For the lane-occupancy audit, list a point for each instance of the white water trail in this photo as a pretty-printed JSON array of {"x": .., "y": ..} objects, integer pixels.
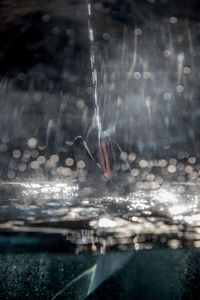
[{"x": 97, "y": 118}]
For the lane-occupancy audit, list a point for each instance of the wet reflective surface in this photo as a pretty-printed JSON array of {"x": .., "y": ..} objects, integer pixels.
[{"x": 99, "y": 135}]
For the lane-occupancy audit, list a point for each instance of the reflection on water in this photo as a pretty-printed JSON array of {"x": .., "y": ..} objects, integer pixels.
[{"x": 141, "y": 219}]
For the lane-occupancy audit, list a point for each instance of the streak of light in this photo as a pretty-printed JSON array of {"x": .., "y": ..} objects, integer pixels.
[
  {"x": 60, "y": 115},
  {"x": 135, "y": 44},
  {"x": 90, "y": 272},
  {"x": 191, "y": 47},
  {"x": 148, "y": 106},
  {"x": 180, "y": 59},
  {"x": 170, "y": 39},
  {"x": 124, "y": 44}
]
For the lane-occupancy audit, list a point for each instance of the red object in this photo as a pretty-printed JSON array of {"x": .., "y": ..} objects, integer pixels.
[{"x": 104, "y": 161}]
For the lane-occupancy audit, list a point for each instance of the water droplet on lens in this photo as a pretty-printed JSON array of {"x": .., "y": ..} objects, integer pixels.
[
  {"x": 193, "y": 175},
  {"x": 150, "y": 177},
  {"x": 179, "y": 88},
  {"x": 90, "y": 90},
  {"x": 11, "y": 174},
  {"x": 69, "y": 161},
  {"x": 67, "y": 172},
  {"x": 173, "y": 161},
  {"x": 180, "y": 167},
  {"x": 180, "y": 155},
  {"x": 163, "y": 163},
  {"x": 124, "y": 167},
  {"x": 174, "y": 244},
  {"x": 123, "y": 156},
  {"x": 45, "y": 18},
  {"x": 131, "y": 157},
  {"x": 171, "y": 169},
  {"x": 192, "y": 160},
  {"x": 22, "y": 167},
  {"x": 3, "y": 147},
  {"x": 143, "y": 163},
  {"x": 80, "y": 164},
  {"x": 16, "y": 153},
  {"x": 34, "y": 165},
  {"x": 197, "y": 244},
  {"x": 186, "y": 70},
  {"x": 138, "y": 31},
  {"x": 32, "y": 143},
  {"x": 41, "y": 159},
  {"x": 167, "y": 96},
  {"x": 80, "y": 104},
  {"x": 173, "y": 20},
  {"x": 188, "y": 169},
  {"x": 106, "y": 36},
  {"x": 55, "y": 30},
  {"x": 59, "y": 170},
  {"x": 70, "y": 32},
  {"x": 34, "y": 153},
  {"x": 167, "y": 53},
  {"x": 137, "y": 75},
  {"x": 54, "y": 158},
  {"x": 134, "y": 172}
]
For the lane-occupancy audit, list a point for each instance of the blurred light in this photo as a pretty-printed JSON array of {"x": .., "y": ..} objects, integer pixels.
[
  {"x": 137, "y": 75},
  {"x": 104, "y": 222},
  {"x": 173, "y": 20},
  {"x": 166, "y": 196},
  {"x": 178, "y": 209}
]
